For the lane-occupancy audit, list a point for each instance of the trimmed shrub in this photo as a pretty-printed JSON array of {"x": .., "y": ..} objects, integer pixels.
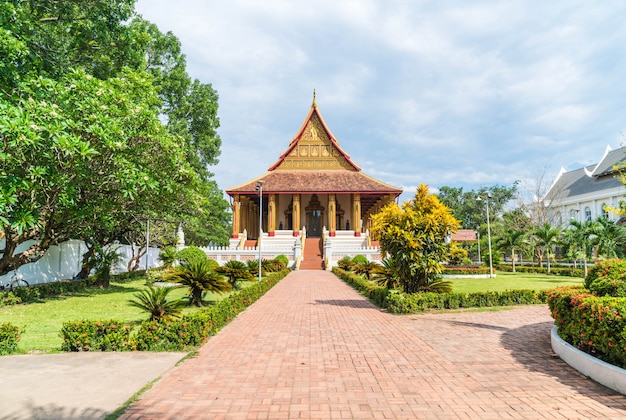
[
  {"x": 345, "y": 263},
  {"x": 190, "y": 253},
  {"x": 554, "y": 270},
  {"x": 191, "y": 331},
  {"x": 465, "y": 270},
  {"x": 590, "y": 323},
  {"x": 8, "y": 298},
  {"x": 401, "y": 303},
  {"x": 283, "y": 259},
  {"x": 360, "y": 259},
  {"x": 86, "y": 335},
  {"x": 9, "y": 338},
  {"x": 607, "y": 278},
  {"x": 194, "y": 329}
]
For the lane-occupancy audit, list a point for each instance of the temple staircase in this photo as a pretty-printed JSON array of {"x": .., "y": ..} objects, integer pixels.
[{"x": 312, "y": 256}]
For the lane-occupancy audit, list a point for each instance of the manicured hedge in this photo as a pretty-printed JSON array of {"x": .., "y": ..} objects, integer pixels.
[
  {"x": 190, "y": 331},
  {"x": 468, "y": 270},
  {"x": 555, "y": 271},
  {"x": 402, "y": 303},
  {"x": 377, "y": 294},
  {"x": 9, "y": 337},
  {"x": 590, "y": 323}
]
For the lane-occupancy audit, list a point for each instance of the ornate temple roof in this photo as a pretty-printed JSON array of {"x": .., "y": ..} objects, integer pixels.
[{"x": 315, "y": 163}]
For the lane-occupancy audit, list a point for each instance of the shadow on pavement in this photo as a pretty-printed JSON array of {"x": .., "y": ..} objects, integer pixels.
[
  {"x": 530, "y": 346},
  {"x": 51, "y": 411}
]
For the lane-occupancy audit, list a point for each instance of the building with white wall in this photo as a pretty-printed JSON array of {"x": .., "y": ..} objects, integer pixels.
[{"x": 585, "y": 193}]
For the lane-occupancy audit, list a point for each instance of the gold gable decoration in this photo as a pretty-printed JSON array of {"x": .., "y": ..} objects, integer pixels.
[{"x": 315, "y": 150}]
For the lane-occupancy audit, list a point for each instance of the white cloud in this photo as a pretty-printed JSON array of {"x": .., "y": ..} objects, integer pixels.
[{"x": 446, "y": 93}]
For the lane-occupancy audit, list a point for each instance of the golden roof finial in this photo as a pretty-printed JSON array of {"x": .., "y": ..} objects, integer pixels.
[{"x": 314, "y": 102}]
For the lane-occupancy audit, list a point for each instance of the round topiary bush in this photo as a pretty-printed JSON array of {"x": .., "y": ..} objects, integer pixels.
[
  {"x": 283, "y": 258},
  {"x": 185, "y": 255},
  {"x": 607, "y": 278},
  {"x": 360, "y": 259}
]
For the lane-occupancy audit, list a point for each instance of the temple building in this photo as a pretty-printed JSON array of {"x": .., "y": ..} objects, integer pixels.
[{"x": 313, "y": 187}]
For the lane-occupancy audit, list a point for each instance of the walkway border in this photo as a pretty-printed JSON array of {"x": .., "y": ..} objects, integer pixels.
[{"x": 604, "y": 373}]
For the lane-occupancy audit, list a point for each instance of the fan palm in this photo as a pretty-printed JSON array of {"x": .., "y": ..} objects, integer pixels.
[
  {"x": 387, "y": 275},
  {"x": 200, "y": 277},
  {"x": 547, "y": 236},
  {"x": 235, "y": 271},
  {"x": 511, "y": 240},
  {"x": 610, "y": 237},
  {"x": 153, "y": 300}
]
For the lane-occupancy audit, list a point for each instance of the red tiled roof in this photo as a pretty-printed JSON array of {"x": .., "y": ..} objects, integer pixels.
[
  {"x": 464, "y": 235},
  {"x": 315, "y": 181}
]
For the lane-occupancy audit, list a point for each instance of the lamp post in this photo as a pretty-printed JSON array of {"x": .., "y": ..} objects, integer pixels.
[
  {"x": 487, "y": 197},
  {"x": 259, "y": 188},
  {"x": 478, "y": 234}
]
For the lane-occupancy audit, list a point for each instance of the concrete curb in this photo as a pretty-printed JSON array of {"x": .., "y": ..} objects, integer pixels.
[{"x": 608, "y": 375}]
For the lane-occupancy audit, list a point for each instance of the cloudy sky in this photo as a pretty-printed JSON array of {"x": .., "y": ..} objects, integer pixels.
[{"x": 457, "y": 93}]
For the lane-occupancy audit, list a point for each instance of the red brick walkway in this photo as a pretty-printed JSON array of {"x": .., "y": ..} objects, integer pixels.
[{"x": 314, "y": 348}]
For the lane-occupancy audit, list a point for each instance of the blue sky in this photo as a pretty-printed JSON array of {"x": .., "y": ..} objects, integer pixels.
[{"x": 457, "y": 93}]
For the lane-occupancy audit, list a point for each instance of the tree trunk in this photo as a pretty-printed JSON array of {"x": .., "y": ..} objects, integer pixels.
[
  {"x": 88, "y": 262},
  {"x": 513, "y": 258}
]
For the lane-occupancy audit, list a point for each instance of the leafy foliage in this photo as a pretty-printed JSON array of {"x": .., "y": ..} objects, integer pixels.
[
  {"x": 190, "y": 253},
  {"x": 153, "y": 300},
  {"x": 235, "y": 271},
  {"x": 167, "y": 256},
  {"x": 416, "y": 237},
  {"x": 200, "y": 277},
  {"x": 468, "y": 210},
  {"x": 590, "y": 323},
  {"x": 86, "y": 335},
  {"x": 85, "y": 153},
  {"x": 607, "y": 278},
  {"x": 9, "y": 338}
]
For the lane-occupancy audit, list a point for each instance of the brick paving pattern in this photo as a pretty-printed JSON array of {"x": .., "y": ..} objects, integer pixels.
[{"x": 313, "y": 348}]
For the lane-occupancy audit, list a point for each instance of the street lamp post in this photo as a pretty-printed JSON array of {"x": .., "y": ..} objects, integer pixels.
[
  {"x": 259, "y": 188},
  {"x": 487, "y": 197},
  {"x": 478, "y": 234}
]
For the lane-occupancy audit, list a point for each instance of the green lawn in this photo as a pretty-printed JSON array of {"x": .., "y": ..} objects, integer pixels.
[
  {"x": 513, "y": 281},
  {"x": 43, "y": 321}
]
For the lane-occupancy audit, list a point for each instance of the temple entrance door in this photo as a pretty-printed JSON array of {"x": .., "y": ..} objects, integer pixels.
[
  {"x": 314, "y": 217},
  {"x": 314, "y": 224}
]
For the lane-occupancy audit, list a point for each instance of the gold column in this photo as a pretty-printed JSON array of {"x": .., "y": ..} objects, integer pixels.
[
  {"x": 236, "y": 216},
  {"x": 356, "y": 214},
  {"x": 295, "y": 216},
  {"x": 271, "y": 215},
  {"x": 332, "y": 214}
]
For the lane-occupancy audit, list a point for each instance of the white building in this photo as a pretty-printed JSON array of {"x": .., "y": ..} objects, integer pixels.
[{"x": 584, "y": 194}]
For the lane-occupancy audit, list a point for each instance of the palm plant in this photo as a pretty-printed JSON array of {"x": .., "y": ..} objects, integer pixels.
[
  {"x": 367, "y": 268},
  {"x": 547, "y": 236},
  {"x": 105, "y": 259},
  {"x": 582, "y": 240},
  {"x": 200, "y": 277},
  {"x": 167, "y": 256},
  {"x": 153, "y": 300},
  {"x": 387, "y": 275},
  {"x": 235, "y": 271},
  {"x": 610, "y": 237},
  {"x": 510, "y": 241}
]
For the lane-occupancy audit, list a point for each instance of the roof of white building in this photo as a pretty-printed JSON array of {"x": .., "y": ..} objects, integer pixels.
[{"x": 590, "y": 179}]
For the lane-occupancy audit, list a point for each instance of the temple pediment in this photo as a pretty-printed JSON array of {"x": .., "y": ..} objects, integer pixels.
[{"x": 314, "y": 148}]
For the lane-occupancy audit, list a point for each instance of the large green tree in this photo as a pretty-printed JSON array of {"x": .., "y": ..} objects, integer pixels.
[
  {"x": 471, "y": 212},
  {"x": 416, "y": 238},
  {"x": 84, "y": 88}
]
